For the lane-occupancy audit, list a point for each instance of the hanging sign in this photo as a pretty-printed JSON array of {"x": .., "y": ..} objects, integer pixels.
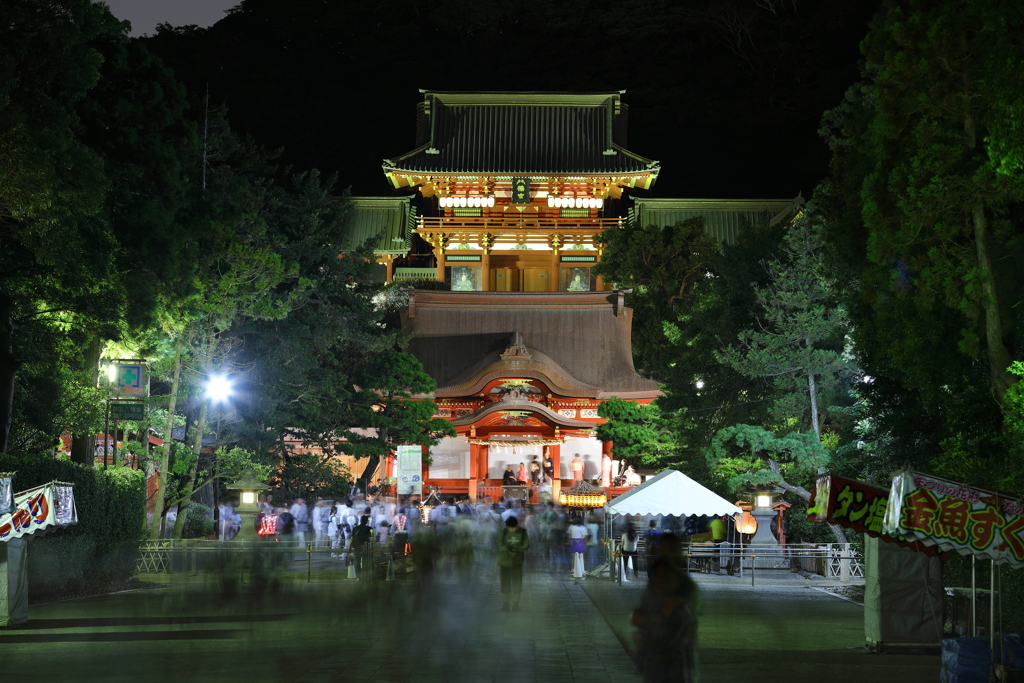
[
  {"x": 410, "y": 470},
  {"x": 858, "y": 506},
  {"x": 520, "y": 190},
  {"x": 124, "y": 410},
  {"x": 954, "y": 516},
  {"x": 130, "y": 379},
  {"x": 50, "y": 505}
]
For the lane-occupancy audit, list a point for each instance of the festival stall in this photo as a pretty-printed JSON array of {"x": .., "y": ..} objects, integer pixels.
[
  {"x": 670, "y": 493},
  {"x": 903, "y": 593},
  {"x": 34, "y": 512}
]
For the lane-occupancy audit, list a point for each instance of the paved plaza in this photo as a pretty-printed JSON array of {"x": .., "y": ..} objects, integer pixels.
[{"x": 447, "y": 630}]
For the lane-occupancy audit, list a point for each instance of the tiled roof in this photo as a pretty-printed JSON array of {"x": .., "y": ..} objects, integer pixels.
[
  {"x": 723, "y": 218},
  {"x": 585, "y": 335},
  {"x": 522, "y": 133},
  {"x": 387, "y": 221}
]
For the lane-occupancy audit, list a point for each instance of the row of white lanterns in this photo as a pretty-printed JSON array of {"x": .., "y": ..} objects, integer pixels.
[
  {"x": 575, "y": 202},
  {"x": 474, "y": 201}
]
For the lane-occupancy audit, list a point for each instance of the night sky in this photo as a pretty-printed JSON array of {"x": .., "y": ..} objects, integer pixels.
[
  {"x": 726, "y": 94},
  {"x": 146, "y": 14}
]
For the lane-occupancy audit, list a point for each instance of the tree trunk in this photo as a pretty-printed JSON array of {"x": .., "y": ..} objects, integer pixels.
[
  {"x": 83, "y": 446},
  {"x": 8, "y": 369},
  {"x": 806, "y": 495},
  {"x": 165, "y": 452},
  {"x": 812, "y": 389},
  {"x": 998, "y": 356},
  {"x": 193, "y": 471}
]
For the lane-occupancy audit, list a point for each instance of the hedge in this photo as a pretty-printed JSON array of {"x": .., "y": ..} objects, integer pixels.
[{"x": 104, "y": 546}]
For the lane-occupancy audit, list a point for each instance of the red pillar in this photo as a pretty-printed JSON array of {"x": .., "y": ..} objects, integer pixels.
[
  {"x": 556, "y": 485},
  {"x": 425, "y": 453},
  {"x": 474, "y": 470}
]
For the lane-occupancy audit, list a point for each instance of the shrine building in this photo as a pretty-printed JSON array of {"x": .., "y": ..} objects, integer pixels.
[{"x": 503, "y": 197}]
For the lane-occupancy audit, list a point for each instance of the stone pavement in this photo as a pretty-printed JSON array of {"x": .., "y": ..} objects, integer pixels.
[
  {"x": 786, "y": 629},
  {"x": 447, "y": 630}
]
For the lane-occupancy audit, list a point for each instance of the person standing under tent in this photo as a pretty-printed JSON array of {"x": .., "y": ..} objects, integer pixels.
[
  {"x": 513, "y": 542},
  {"x": 578, "y": 534},
  {"x": 593, "y": 540},
  {"x": 630, "y": 539},
  {"x": 652, "y": 539},
  {"x": 577, "y": 465}
]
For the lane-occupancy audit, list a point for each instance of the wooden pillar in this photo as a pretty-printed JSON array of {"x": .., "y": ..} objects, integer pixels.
[
  {"x": 485, "y": 273},
  {"x": 599, "y": 284},
  {"x": 425, "y": 471},
  {"x": 389, "y": 264},
  {"x": 484, "y": 454},
  {"x": 474, "y": 470},
  {"x": 440, "y": 264},
  {"x": 556, "y": 458},
  {"x": 553, "y": 278}
]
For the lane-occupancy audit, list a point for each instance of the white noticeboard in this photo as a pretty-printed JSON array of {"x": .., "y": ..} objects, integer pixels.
[{"x": 410, "y": 470}]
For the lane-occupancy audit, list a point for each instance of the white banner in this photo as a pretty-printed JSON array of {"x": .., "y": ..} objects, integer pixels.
[
  {"x": 50, "y": 505},
  {"x": 410, "y": 470}
]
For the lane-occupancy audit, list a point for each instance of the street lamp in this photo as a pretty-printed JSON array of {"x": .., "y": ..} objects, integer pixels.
[
  {"x": 218, "y": 388},
  {"x": 248, "y": 485}
]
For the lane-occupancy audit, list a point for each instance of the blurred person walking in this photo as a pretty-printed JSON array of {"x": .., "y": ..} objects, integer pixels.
[
  {"x": 286, "y": 531},
  {"x": 513, "y": 542},
  {"x": 301, "y": 515},
  {"x": 593, "y": 538},
  {"x": 362, "y": 536},
  {"x": 630, "y": 539},
  {"x": 652, "y": 539},
  {"x": 666, "y": 623}
]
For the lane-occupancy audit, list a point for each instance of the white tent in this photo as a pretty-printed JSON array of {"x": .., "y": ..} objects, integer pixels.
[{"x": 671, "y": 493}]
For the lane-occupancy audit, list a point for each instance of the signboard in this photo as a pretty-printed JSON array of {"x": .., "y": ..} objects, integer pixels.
[
  {"x": 130, "y": 379},
  {"x": 410, "y": 470},
  {"x": 50, "y": 505},
  {"x": 954, "y": 516},
  {"x": 520, "y": 190},
  {"x": 123, "y": 410},
  {"x": 858, "y": 506}
]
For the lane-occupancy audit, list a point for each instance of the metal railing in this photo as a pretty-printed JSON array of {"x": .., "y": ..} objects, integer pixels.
[
  {"x": 838, "y": 560},
  {"x": 196, "y": 556}
]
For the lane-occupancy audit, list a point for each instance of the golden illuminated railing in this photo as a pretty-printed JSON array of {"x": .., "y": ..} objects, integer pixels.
[{"x": 451, "y": 230}]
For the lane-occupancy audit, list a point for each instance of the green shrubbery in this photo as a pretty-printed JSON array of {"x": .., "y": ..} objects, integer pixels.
[{"x": 104, "y": 545}]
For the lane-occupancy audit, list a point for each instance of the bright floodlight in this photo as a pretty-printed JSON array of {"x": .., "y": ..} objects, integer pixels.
[
  {"x": 219, "y": 388},
  {"x": 700, "y": 384}
]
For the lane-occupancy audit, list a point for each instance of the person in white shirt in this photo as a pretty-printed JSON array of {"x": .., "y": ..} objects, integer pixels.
[
  {"x": 334, "y": 530},
  {"x": 630, "y": 538},
  {"x": 578, "y": 534},
  {"x": 301, "y": 515}
]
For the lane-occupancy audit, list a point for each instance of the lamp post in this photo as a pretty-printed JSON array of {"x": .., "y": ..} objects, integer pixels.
[
  {"x": 763, "y": 544},
  {"x": 249, "y": 486},
  {"x": 218, "y": 389}
]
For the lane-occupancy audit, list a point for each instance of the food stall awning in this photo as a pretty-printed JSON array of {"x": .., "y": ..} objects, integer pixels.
[
  {"x": 858, "y": 506},
  {"x": 954, "y": 516}
]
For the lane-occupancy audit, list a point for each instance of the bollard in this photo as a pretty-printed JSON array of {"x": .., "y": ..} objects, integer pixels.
[
  {"x": 844, "y": 564},
  {"x": 309, "y": 562}
]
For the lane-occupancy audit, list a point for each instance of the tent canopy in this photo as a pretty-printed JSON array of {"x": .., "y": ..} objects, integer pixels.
[{"x": 671, "y": 493}]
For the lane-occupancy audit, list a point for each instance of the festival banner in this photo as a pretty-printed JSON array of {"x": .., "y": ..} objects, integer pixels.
[
  {"x": 954, "y": 516},
  {"x": 858, "y": 506},
  {"x": 39, "y": 509},
  {"x": 410, "y": 470}
]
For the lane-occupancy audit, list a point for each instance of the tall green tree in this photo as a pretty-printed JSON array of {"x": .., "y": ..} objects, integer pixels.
[
  {"x": 926, "y": 169},
  {"x": 799, "y": 337}
]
